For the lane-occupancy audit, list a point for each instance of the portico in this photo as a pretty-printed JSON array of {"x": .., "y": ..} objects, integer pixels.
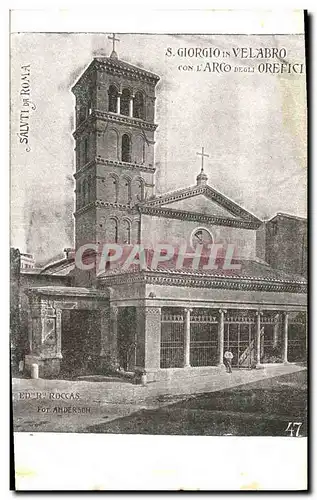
[{"x": 188, "y": 327}]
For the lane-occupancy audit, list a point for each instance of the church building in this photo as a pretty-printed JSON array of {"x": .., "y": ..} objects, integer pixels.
[{"x": 165, "y": 322}]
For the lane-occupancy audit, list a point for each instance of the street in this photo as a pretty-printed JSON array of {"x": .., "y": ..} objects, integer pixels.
[
  {"x": 265, "y": 407},
  {"x": 262, "y": 408}
]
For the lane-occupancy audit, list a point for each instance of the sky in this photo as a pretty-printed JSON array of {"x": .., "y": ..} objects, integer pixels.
[{"x": 252, "y": 125}]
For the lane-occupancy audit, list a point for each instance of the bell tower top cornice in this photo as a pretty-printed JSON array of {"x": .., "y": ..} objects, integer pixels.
[{"x": 117, "y": 67}]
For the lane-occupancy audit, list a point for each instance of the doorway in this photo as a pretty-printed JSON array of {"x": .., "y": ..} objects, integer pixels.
[{"x": 80, "y": 342}]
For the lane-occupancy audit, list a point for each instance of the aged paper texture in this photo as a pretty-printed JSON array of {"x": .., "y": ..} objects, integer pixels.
[{"x": 159, "y": 252}]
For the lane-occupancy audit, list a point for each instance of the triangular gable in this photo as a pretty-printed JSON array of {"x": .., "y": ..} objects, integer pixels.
[
  {"x": 198, "y": 198},
  {"x": 201, "y": 204}
]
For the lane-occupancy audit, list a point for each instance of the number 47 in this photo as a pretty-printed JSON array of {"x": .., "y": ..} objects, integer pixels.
[{"x": 293, "y": 427}]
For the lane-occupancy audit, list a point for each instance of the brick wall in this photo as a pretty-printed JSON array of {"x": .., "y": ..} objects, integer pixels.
[{"x": 286, "y": 244}]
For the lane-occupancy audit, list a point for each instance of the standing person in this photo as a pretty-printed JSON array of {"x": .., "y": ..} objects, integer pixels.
[{"x": 228, "y": 360}]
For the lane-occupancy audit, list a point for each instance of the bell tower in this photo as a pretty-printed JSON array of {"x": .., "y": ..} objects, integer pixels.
[{"x": 114, "y": 136}]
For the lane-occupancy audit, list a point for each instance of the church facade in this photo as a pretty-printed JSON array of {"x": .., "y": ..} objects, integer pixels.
[{"x": 166, "y": 321}]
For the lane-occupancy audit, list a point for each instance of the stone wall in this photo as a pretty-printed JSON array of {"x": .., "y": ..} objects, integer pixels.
[
  {"x": 28, "y": 280},
  {"x": 174, "y": 231},
  {"x": 45, "y": 325},
  {"x": 85, "y": 227}
]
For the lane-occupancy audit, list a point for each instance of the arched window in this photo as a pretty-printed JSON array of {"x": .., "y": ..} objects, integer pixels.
[
  {"x": 126, "y": 232},
  {"x": 113, "y": 94},
  {"x": 139, "y": 189},
  {"x": 113, "y": 188},
  {"x": 125, "y": 190},
  {"x": 126, "y": 148},
  {"x": 138, "y": 153},
  {"x": 125, "y": 102},
  {"x": 112, "y": 231},
  {"x": 138, "y": 106}
]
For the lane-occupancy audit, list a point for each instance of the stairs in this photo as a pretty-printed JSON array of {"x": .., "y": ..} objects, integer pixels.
[{"x": 247, "y": 358}]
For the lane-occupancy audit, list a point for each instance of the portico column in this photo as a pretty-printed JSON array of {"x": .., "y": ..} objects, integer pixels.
[
  {"x": 131, "y": 106},
  {"x": 285, "y": 334},
  {"x": 152, "y": 337},
  {"x": 258, "y": 337},
  {"x": 118, "y": 102},
  {"x": 275, "y": 331},
  {"x": 221, "y": 335},
  {"x": 114, "y": 332},
  {"x": 148, "y": 338},
  {"x": 187, "y": 312}
]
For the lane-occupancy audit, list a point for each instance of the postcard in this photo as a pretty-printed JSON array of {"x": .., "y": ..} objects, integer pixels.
[{"x": 159, "y": 253}]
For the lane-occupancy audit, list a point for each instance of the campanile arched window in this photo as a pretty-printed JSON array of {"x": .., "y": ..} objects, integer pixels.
[
  {"x": 112, "y": 231},
  {"x": 125, "y": 190},
  {"x": 113, "y": 95},
  {"x": 126, "y": 148},
  {"x": 125, "y": 102},
  {"x": 126, "y": 232},
  {"x": 139, "y": 189},
  {"x": 138, "y": 106},
  {"x": 113, "y": 188}
]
